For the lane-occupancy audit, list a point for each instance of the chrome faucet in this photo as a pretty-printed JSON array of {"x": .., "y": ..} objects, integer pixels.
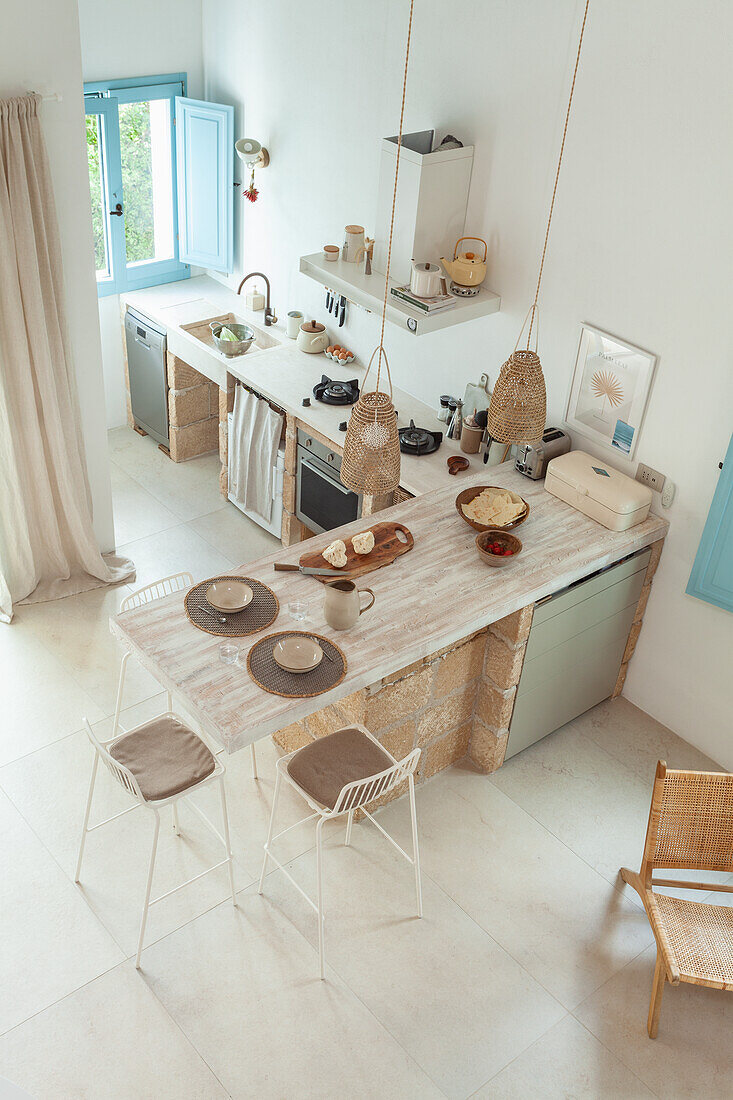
[{"x": 270, "y": 318}]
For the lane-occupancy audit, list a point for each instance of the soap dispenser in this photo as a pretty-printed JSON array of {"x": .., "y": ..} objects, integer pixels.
[{"x": 254, "y": 299}]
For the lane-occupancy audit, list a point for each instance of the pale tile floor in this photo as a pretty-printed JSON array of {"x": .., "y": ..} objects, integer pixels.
[{"x": 528, "y": 976}]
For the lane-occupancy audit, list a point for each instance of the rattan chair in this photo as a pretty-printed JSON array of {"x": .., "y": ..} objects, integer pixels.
[
  {"x": 337, "y": 775},
  {"x": 690, "y": 827}
]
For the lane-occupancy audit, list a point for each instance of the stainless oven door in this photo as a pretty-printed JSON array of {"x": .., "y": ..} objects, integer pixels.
[{"x": 322, "y": 501}]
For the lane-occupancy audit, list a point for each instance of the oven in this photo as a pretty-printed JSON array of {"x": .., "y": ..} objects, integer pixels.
[{"x": 322, "y": 501}]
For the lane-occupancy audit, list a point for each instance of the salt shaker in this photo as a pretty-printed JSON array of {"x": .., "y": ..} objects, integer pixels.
[{"x": 454, "y": 432}]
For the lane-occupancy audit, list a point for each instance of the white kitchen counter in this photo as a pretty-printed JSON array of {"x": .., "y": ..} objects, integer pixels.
[{"x": 285, "y": 375}]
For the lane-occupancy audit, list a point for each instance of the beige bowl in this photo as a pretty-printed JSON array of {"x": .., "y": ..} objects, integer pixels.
[
  {"x": 297, "y": 653},
  {"x": 229, "y": 595}
]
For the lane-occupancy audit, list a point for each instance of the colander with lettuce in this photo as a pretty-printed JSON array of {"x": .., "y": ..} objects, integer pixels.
[{"x": 227, "y": 334}]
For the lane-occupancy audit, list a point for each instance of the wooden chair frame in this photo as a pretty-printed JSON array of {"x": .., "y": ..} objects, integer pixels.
[{"x": 691, "y": 828}]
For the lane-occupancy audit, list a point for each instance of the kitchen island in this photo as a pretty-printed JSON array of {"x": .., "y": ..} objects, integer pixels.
[{"x": 437, "y": 660}]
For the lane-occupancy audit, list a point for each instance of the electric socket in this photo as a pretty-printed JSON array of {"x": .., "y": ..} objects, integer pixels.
[{"x": 648, "y": 476}]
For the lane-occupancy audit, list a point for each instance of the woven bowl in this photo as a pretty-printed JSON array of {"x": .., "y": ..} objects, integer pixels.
[
  {"x": 468, "y": 495},
  {"x": 505, "y": 539}
]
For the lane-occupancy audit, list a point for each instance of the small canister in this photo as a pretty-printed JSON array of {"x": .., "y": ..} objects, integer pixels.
[
  {"x": 295, "y": 320},
  {"x": 471, "y": 438}
]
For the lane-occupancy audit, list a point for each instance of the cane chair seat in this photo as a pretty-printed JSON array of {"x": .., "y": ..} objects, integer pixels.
[
  {"x": 165, "y": 756},
  {"x": 700, "y": 939},
  {"x": 324, "y": 767}
]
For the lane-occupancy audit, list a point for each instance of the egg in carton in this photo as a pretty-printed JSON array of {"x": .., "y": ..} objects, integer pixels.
[{"x": 339, "y": 355}]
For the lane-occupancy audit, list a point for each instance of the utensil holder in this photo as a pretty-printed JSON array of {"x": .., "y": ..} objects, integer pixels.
[{"x": 471, "y": 438}]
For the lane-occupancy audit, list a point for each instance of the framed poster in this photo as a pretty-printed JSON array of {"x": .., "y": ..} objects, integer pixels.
[{"x": 610, "y": 390}]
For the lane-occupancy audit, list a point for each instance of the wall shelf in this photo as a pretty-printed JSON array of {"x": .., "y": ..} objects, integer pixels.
[{"x": 368, "y": 291}]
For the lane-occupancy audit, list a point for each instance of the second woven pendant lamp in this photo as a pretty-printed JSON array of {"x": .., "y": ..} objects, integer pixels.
[
  {"x": 371, "y": 462},
  {"x": 519, "y": 403}
]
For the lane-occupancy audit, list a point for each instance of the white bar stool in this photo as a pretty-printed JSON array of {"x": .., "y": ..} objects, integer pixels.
[{"x": 337, "y": 775}]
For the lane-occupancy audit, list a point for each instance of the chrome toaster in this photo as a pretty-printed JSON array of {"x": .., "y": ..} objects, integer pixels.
[{"x": 532, "y": 458}]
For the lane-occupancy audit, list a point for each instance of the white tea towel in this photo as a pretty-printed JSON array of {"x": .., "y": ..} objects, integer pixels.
[{"x": 254, "y": 437}]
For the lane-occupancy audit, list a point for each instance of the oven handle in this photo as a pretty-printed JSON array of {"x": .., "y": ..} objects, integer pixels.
[{"x": 325, "y": 476}]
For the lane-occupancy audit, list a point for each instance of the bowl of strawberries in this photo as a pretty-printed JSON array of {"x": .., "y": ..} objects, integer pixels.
[{"x": 497, "y": 546}]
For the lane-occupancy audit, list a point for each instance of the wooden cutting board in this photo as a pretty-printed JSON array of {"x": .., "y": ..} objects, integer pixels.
[{"x": 387, "y": 547}]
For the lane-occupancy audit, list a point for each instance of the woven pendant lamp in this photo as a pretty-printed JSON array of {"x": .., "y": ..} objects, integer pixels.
[
  {"x": 371, "y": 462},
  {"x": 519, "y": 402}
]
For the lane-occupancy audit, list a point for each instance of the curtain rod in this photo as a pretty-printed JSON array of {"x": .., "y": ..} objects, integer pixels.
[{"x": 54, "y": 97}]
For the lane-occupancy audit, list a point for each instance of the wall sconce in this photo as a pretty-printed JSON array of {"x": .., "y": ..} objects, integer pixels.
[{"x": 254, "y": 156}]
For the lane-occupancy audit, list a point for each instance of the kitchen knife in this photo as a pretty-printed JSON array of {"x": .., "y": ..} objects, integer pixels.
[
  {"x": 283, "y": 567},
  {"x": 342, "y": 316}
]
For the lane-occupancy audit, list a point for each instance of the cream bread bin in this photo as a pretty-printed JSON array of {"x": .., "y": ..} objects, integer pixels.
[{"x": 597, "y": 490}]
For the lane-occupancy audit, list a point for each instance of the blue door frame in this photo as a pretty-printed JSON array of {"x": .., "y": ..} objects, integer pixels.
[{"x": 711, "y": 578}]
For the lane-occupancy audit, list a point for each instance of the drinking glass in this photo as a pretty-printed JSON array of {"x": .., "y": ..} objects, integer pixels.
[
  {"x": 298, "y": 610},
  {"x": 228, "y": 653}
]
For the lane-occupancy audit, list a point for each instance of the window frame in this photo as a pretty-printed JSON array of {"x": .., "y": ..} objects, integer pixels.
[{"x": 124, "y": 276}]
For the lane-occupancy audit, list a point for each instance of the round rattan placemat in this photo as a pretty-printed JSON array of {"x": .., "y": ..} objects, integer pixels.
[
  {"x": 265, "y": 671},
  {"x": 260, "y": 614}
]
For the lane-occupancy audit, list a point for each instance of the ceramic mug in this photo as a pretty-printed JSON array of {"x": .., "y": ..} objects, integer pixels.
[
  {"x": 295, "y": 320},
  {"x": 342, "y": 604}
]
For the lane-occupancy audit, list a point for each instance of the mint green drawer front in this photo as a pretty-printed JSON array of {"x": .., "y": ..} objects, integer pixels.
[
  {"x": 563, "y": 661},
  {"x": 586, "y": 589},
  {"x": 580, "y": 616},
  {"x": 555, "y": 702}
]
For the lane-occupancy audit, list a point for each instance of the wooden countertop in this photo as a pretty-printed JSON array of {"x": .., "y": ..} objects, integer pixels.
[{"x": 431, "y": 597}]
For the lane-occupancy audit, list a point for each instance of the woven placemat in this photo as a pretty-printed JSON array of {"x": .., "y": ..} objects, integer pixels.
[
  {"x": 261, "y": 613},
  {"x": 266, "y": 672}
]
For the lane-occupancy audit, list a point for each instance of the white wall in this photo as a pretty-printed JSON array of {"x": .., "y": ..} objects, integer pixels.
[
  {"x": 39, "y": 50},
  {"x": 641, "y": 242},
  {"x": 124, "y": 39}
]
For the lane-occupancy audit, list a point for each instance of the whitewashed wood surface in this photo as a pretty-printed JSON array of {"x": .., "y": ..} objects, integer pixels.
[{"x": 436, "y": 594}]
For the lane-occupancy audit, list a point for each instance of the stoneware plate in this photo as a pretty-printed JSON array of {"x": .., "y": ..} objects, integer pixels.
[
  {"x": 467, "y": 496},
  {"x": 229, "y": 595},
  {"x": 297, "y": 654}
]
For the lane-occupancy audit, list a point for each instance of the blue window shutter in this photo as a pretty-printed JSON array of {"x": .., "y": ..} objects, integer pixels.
[
  {"x": 205, "y": 170},
  {"x": 711, "y": 578}
]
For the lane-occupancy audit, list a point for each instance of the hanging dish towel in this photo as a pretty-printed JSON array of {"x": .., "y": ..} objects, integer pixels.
[{"x": 254, "y": 438}]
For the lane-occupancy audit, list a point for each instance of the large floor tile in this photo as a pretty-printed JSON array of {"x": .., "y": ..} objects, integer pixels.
[
  {"x": 188, "y": 489},
  {"x": 444, "y": 988},
  {"x": 42, "y": 699},
  {"x": 111, "y": 1040},
  {"x": 50, "y": 788},
  {"x": 588, "y": 799},
  {"x": 173, "y": 551},
  {"x": 638, "y": 740},
  {"x": 692, "y": 1055},
  {"x": 76, "y": 631},
  {"x": 235, "y": 535},
  {"x": 50, "y": 944},
  {"x": 556, "y": 916},
  {"x": 566, "y": 1062},
  {"x": 243, "y": 986},
  {"x": 136, "y": 512}
]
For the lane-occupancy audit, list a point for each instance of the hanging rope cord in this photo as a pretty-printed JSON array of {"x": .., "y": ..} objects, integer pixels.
[
  {"x": 391, "y": 220},
  {"x": 534, "y": 307}
]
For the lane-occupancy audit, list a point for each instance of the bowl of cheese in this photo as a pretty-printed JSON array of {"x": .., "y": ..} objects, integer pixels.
[{"x": 485, "y": 506}]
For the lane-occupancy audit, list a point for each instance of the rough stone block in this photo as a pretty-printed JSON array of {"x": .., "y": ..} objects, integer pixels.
[
  {"x": 643, "y": 601},
  {"x": 402, "y": 673},
  {"x": 631, "y": 643},
  {"x": 397, "y": 701},
  {"x": 181, "y": 376},
  {"x": 292, "y": 737},
  {"x": 459, "y": 666},
  {"x": 514, "y": 628},
  {"x": 487, "y": 747},
  {"x": 621, "y": 679},
  {"x": 291, "y": 447},
  {"x": 194, "y": 439},
  {"x": 651, "y": 568},
  {"x": 291, "y": 529},
  {"x": 188, "y": 406},
  {"x": 223, "y": 405},
  {"x": 493, "y": 706},
  {"x": 441, "y": 754},
  {"x": 353, "y": 707},
  {"x": 452, "y": 711},
  {"x": 324, "y": 722},
  {"x": 224, "y": 481},
  {"x": 400, "y": 740},
  {"x": 503, "y": 663},
  {"x": 223, "y": 444},
  {"x": 289, "y": 492}
]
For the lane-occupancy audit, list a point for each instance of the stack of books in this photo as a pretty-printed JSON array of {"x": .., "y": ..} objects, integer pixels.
[{"x": 425, "y": 305}]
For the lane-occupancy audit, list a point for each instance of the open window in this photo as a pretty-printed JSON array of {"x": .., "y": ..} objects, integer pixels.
[{"x": 161, "y": 182}]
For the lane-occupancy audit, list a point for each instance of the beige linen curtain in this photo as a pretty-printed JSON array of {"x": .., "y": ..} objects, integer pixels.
[{"x": 47, "y": 543}]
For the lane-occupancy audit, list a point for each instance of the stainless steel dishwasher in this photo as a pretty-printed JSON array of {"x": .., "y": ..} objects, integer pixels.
[{"x": 146, "y": 366}]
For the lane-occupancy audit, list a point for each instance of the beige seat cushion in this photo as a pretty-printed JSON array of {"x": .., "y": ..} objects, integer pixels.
[
  {"x": 165, "y": 757},
  {"x": 327, "y": 765}
]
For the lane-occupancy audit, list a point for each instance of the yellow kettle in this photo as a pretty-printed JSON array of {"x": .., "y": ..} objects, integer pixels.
[{"x": 466, "y": 270}]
